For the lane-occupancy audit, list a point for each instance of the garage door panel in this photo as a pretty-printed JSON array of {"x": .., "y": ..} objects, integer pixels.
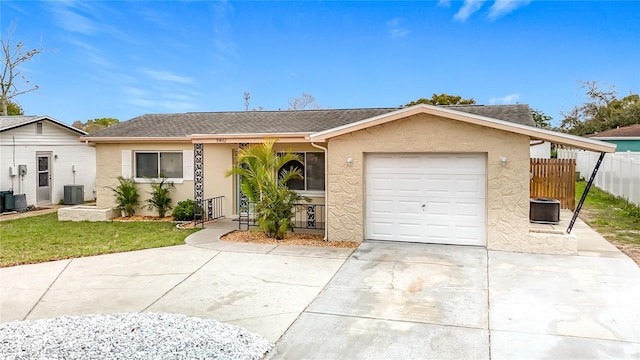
[
  {"x": 380, "y": 184},
  {"x": 381, "y": 207},
  {"x": 383, "y": 230},
  {"x": 452, "y": 188},
  {"x": 470, "y": 188},
  {"x": 409, "y": 207},
  {"x": 410, "y": 230},
  {"x": 408, "y": 185},
  {"x": 393, "y": 209}
]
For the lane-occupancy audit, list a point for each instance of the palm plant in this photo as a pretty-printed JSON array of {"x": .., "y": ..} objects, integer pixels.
[
  {"x": 160, "y": 197},
  {"x": 265, "y": 185},
  {"x": 127, "y": 197}
]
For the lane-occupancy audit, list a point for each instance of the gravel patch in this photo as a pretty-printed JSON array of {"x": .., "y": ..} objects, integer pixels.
[{"x": 129, "y": 336}]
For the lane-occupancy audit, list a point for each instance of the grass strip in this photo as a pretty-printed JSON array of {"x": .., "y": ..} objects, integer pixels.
[
  {"x": 44, "y": 238},
  {"x": 613, "y": 217}
]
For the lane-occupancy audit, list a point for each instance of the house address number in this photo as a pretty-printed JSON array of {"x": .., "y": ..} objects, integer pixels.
[{"x": 221, "y": 140}]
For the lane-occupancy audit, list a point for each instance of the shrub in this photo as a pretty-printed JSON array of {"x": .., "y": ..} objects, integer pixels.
[
  {"x": 160, "y": 197},
  {"x": 185, "y": 210},
  {"x": 275, "y": 210},
  {"x": 127, "y": 197},
  {"x": 263, "y": 184}
]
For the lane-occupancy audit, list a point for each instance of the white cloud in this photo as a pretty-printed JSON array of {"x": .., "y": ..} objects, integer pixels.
[
  {"x": 503, "y": 7},
  {"x": 498, "y": 9},
  {"x": 167, "y": 76},
  {"x": 69, "y": 18},
  {"x": 508, "y": 99},
  {"x": 222, "y": 39},
  {"x": 469, "y": 7},
  {"x": 395, "y": 28}
]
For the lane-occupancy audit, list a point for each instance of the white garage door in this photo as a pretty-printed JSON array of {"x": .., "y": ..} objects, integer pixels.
[{"x": 428, "y": 198}]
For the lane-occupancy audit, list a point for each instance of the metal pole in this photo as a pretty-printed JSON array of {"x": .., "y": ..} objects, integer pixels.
[{"x": 584, "y": 194}]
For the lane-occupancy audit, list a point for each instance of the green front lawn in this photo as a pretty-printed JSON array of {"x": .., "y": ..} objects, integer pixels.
[
  {"x": 44, "y": 238},
  {"x": 611, "y": 216}
]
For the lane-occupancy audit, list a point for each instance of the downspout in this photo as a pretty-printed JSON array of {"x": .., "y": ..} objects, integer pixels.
[
  {"x": 584, "y": 194},
  {"x": 326, "y": 184}
]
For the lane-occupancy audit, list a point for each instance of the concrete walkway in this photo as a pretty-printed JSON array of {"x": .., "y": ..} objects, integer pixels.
[{"x": 385, "y": 300}]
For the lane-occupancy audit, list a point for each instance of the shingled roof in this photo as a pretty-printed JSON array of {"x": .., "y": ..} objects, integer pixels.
[
  {"x": 16, "y": 121},
  {"x": 276, "y": 122},
  {"x": 627, "y": 131}
]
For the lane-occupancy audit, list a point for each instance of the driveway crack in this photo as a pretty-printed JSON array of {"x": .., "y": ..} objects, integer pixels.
[
  {"x": 274, "y": 282},
  {"x": 48, "y": 288}
]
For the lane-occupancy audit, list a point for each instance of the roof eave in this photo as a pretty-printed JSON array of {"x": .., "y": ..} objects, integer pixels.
[
  {"x": 248, "y": 138},
  {"x": 104, "y": 140},
  {"x": 532, "y": 132},
  {"x": 45, "y": 117}
]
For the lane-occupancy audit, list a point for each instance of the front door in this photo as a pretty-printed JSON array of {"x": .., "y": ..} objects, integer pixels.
[{"x": 43, "y": 178}]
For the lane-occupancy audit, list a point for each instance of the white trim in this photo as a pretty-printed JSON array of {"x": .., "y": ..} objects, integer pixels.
[
  {"x": 312, "y": 193},
  {"x": 157, "y": 180},
  {"x": 533, "y": 132}
]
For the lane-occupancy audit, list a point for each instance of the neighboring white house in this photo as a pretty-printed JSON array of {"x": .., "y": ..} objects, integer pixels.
[
  {"x": 39, "y": 155},
  {"x": 539, "y": 149}
]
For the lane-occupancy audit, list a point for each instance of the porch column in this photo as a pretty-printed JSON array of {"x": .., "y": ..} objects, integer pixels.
[{"x": 198, "y": 173}]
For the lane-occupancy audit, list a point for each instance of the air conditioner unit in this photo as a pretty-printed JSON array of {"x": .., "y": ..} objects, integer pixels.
[
  {"x": 544, "y": 211},
  {"x": 73, "y": 194}
]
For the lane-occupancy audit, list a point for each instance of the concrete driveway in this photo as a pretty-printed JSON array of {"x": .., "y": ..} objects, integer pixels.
[
  {"x": 384, "y": 300},
  {"x": 410, "y": 301}
]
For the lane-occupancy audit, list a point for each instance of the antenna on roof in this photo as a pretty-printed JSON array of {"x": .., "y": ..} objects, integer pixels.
[{"x": 246, "y": 101}]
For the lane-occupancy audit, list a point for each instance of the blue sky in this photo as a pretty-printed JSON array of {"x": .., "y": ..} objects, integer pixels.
[{"x": 126, "y": 58}]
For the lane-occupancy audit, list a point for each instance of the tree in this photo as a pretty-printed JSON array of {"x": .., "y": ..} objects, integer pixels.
[
  {"x": 14, "y": 109},
  {"x": 601, "y": 111},
  {"x": 541, "y": 119},
  {"x": 443, "y": 99},
  {"x": 95, "y": 124},
  {"x": 13, "y": 56},
  {"x": 304, "y": 102},
  {"x": 264, "y": 183}
]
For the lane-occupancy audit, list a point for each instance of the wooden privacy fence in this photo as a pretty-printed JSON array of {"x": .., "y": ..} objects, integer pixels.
[{"x": 554, "y": 179}]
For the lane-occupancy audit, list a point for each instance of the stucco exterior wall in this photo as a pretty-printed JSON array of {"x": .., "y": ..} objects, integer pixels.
[
  {"x": 507, "y": 186},
  {"x": 218, "y": 158},
  {"x": 109, "y": 167}
]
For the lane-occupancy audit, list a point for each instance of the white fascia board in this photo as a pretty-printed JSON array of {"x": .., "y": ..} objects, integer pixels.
[{"x": 533, "y": 132}]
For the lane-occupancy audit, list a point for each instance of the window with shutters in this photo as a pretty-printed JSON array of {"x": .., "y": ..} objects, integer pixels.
[{"x": 158, "y": 165}]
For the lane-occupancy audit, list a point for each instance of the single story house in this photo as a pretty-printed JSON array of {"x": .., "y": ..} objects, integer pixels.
[
  {"x": 40, "y": 155},
  {"x": 627, "y": 138},
  {"x": 437, "y": 174}
]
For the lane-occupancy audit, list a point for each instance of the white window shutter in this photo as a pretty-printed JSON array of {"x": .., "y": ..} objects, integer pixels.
[
  {"x": 187, "y": 164},
  {"x": 126, "y": 164}
]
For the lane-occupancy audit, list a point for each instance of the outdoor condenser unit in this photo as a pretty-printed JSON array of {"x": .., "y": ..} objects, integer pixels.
[
  {"x": 73, "y": 194},
  {"x": 543, "y": 210}
]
